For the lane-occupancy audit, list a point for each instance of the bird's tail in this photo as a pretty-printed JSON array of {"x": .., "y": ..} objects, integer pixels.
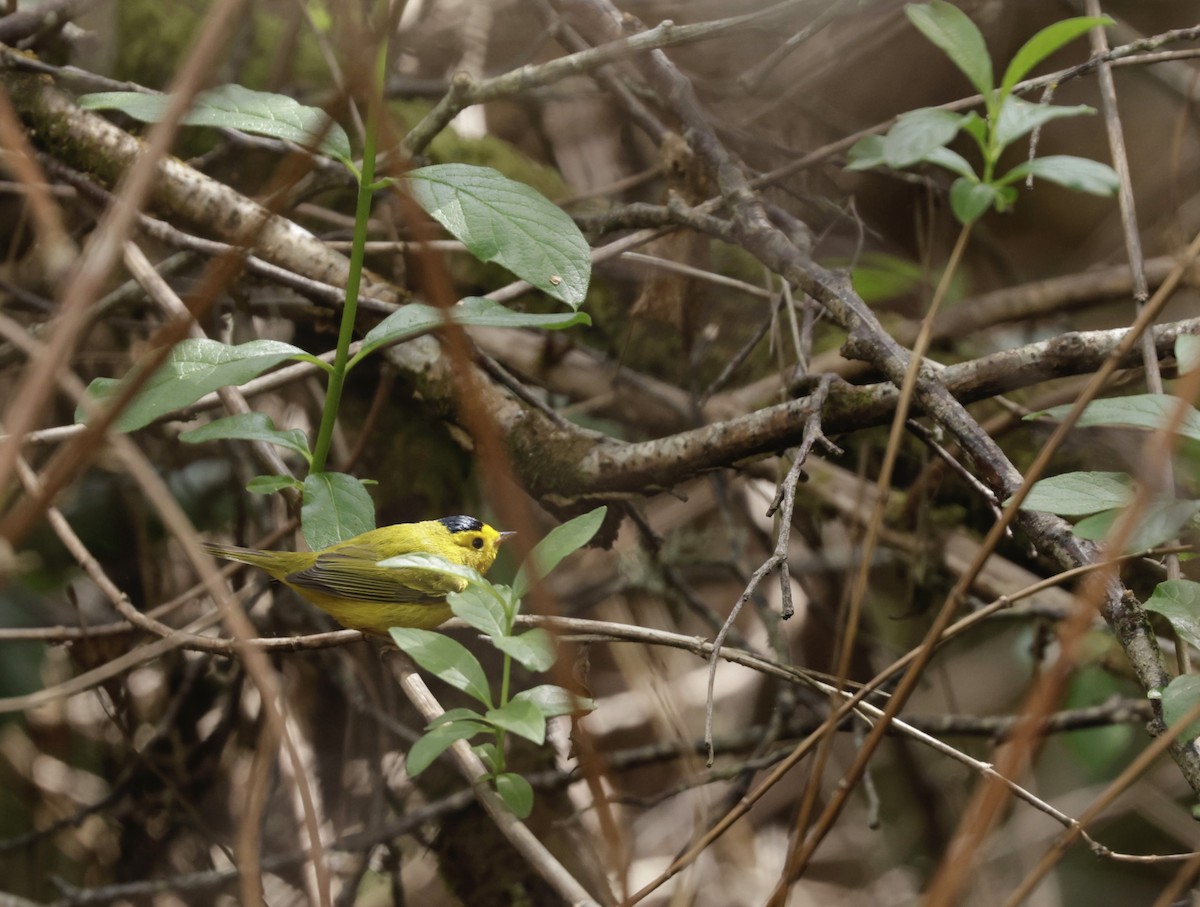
[{"x": 261, "y": 559}]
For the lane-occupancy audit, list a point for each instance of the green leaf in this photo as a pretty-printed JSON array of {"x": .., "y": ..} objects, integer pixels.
[
  {"x": 1178, "y": 600},
  {"x": 521, "y": 718},
  {"x": 554, "y": 701},
  {"x": 952, "y": 161},
  {"x": 507, "y": 222},
  {"x": 1080, "y": 493},
  {"x": 1097, "y": 750},
  {"x": 969, "y": 200},
  {"x": 192, "y": 369},
  {"x": 950, "y": 29},
  {"x": 878, "y": 276},
  {"x": 534, "y": 649},
  {"x": 1187, "y": 352},
  {"x": 272, "y": 484},
  {"x": 1043, "y": 44},
  {"x": 516, "y": 793},
  {"x": 336, "y": 507},
  {"x": 250, "y": 427},
  {"x": 419, "y": 560},
  {"x": 1179, "y": 698},
  {"x": 479, "y": 608},
  {"x": 1077, "y": 173},
  {"x": 1145, "y": 411},
  {"x": 1018, "y": 118},
  {"x": 416, "y": 319},
  {"x": 1161, "y": 522},
  {"x": 436, "y": 741},
  {"x": 918, "y": 134},
  {"x": 445, "y": 658},
  {"x": 558, "y": 543},
  {"x": 235, "y": 107},
  {"x": 487, "y": 754},
  {"x": 866, "y": 153}
]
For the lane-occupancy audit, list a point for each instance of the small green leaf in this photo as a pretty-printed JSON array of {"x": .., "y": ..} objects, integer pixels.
[
  {"x": 1187, "y": 352},
  {"x": 1076, "y": 173},
  {"x": 521, "y": 718},
  {"x": 445, "y": 658},
  {"x": 1161, "y": 522},
  {"x": 419, "y": 560},
  {"x": 1178, "y": 600},
  {"x": 459, "y": 714},
  {"x": 969, "y": 200},
  {"x": 1179, "y": 698},
  {"x": 1145, "y": 411},
  {"x": 878, "y": 276},
  {"x": 416, "y": 319},
  {"x": 479, "y": 608},
  {"x": 918, "y": 134},
  {"x": 235, "y": 107},
  {"x": 272, "y": 484},
  {"x": 435, "y": 742},
  {"x": 516, "y": 793},
  {"x": 952, "y": 161},
  {"x": 558, "y": 543},
  {"x": 1043, "y": 44},
  {"x": 866, "y": 153},
  {"x": 336, "y": 507},
  {"x": 1018, "y": 118},
  {"x": 487, "y": 754},
  {"x": 534, "y": 649},
  {"x": 193, "y": 368},
  {"x": 1080, "y": 493},
  {"x": 554, "y": 701},
  {"x": 501, "y": 220},
  {"x": 250, "y": 427},
  {"x": 950, "y": 29}
]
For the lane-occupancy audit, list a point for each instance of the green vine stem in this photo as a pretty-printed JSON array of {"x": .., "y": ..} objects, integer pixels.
[{"x": 362, "y": 213}]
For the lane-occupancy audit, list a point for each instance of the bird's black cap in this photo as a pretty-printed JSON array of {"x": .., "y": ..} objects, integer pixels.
[{"x": 461, "y": 523}]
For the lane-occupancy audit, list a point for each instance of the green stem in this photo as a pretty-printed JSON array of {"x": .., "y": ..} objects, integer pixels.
[{"x": 362, "y": 214}]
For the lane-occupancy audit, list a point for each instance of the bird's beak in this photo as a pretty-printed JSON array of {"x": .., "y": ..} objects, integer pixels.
[{"x": 506, "y": 535}]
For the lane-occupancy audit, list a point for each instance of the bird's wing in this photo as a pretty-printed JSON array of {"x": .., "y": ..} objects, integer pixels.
[{"x": 351, "y": 573}]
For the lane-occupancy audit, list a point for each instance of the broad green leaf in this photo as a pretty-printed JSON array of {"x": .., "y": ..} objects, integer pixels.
[
  {"x": 1161, "y": 522},
  {"x": 1043, "y": 44},
  {"x": 516, "y": 793},
  {"x": 272, "y": 484},
  {"x": 1018, "y": 118},
  {"x": 1098, "y": 749},
  {"x": 521, "y": 718},
  {"x": 479, "y": 608},
  {"x": 554, "y": 701},
  {"x": 1146, "y": 411},
  {"x": 866, "y": 153},
  {"x": 445, "y": 658},
  {"x": 952, "y": 161},
  {"x": 416, "y": 319},
  {"x": 1179, "y": 698},
  {"x": 1187, "y": 352},
  {"x": 558, "y": 543},
  {"x": 1077, "y": 173},
  {"x": 969, "y": 200},
  {"x": 192, "y": 369},
  {"x": 436, "y": 741},
  {"x": 918, "y": 134},
  {"x": 250, "y": 427},
  {"x": 336, "y": 507},
  {"x": 507, "y": 222},
  {"x": 534, "y": 649},
  {"x": 486, "y": 752},
  {"x": 421, "y": 561},
  {"x": 1080, "y": 493},
  {"x": 950, "y": 29},
  {"x": 1178, "y": 600},
  {"x": 235, "y": 107},
  {"x": 878, "y": 276}
]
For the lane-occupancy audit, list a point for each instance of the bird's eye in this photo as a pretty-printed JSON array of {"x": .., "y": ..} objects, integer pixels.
[{"x": 477, "y": 542}]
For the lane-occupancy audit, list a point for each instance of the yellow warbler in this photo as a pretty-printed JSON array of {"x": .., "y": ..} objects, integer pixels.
[{"x": 344, "y": 581}]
